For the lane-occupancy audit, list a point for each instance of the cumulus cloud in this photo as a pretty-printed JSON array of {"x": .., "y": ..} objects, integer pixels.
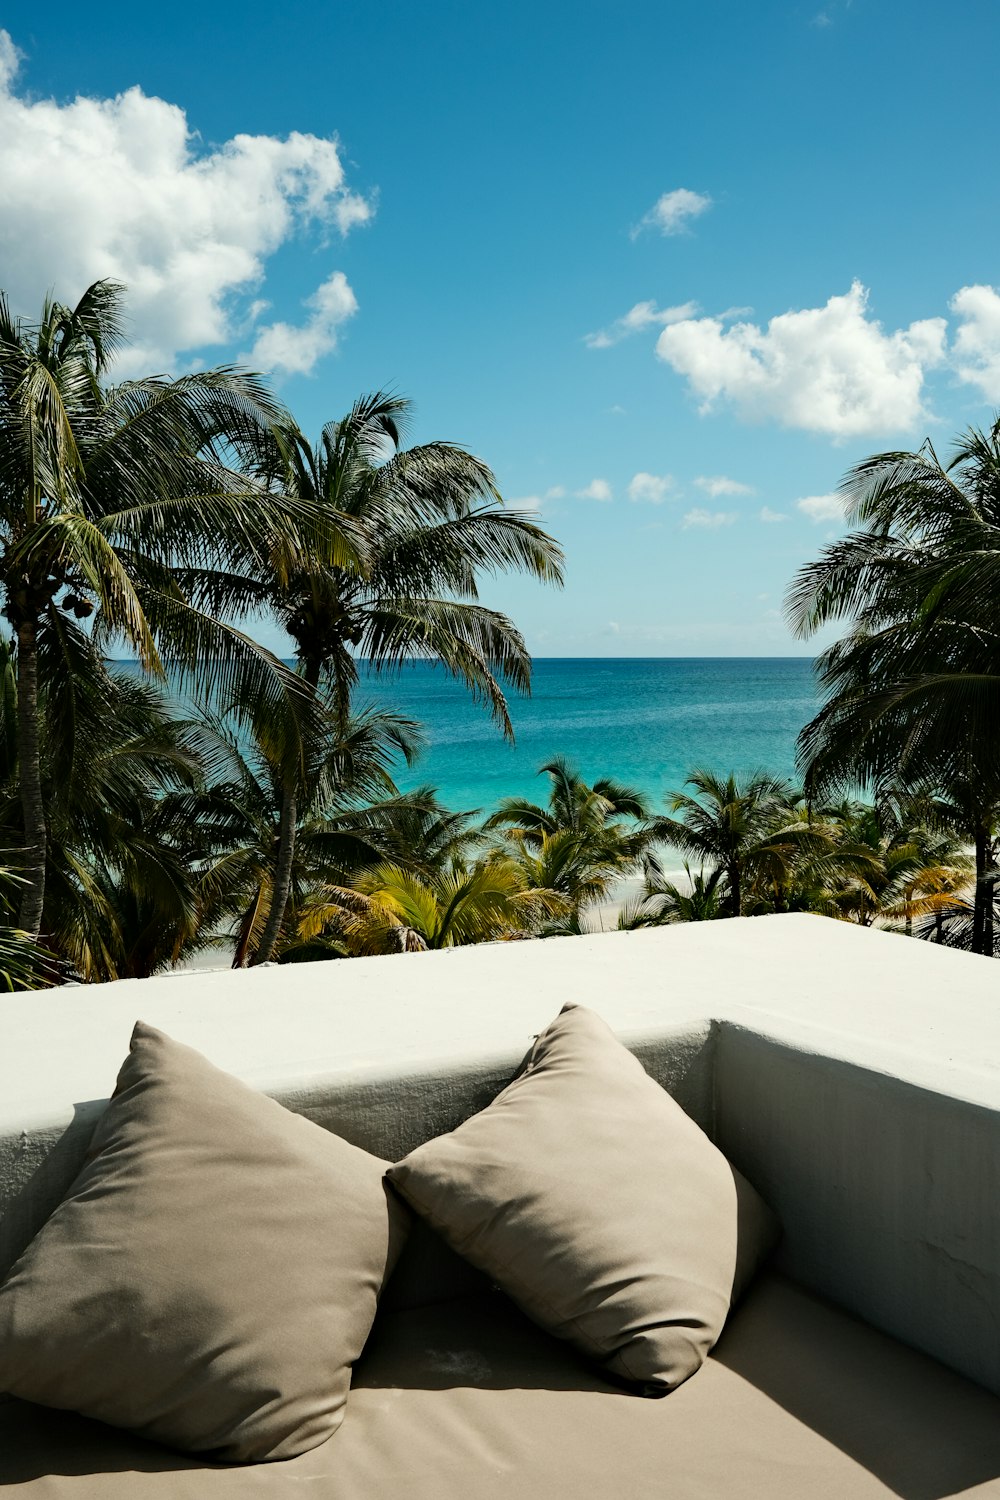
[
  {"x": 718, "y": 484},
  {"x": 121, "y": 187},
  {"x": 828, "y": 369},
  {"x": 708, "y": 519},
  {"x": 770, "y": 517},
  {"x": 597, "y": 489},
  {"x": 643, "y": 315},
  {"x": 674, "y": 212},
  {"x": 822, "y": 507},
  {"x": 651, "y": 488},
  {"x": 976, "y": 349},
  {"x": 535, "y": 502},
  {"x": 288, "y": 349}
]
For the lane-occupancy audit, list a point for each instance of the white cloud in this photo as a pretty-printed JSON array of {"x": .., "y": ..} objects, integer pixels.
[
  {"x": 708, "y": 519},
  {"x": 770, "y": 517},
  {"x": 822, "y": 507},
  {"x": 717, "y": 484},
  {"x": 10, "y": 59},
  {"x": 535, "y": 502},
  {"x": 826, "y": 369},
  {"x": 289, "y": 350},
  {"x": 597, "y": 489},
  {"x": 673, "y": 212},
  {"x": 652, "y": 488},
  {"x": 976, "y": 350},
  {"x": 643, "y": 315},
  {"x": 122, "y": 188}
]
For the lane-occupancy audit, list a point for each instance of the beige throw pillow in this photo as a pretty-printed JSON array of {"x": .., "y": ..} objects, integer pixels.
[
  {"x": 213, "y": 1272},
  {"x": 598, "y": 1205}
]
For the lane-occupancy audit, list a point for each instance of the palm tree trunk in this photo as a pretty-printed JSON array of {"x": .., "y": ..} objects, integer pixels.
[
  {"x": 30, "y": 769},
  {"x": 735, "y": 890},
  {"x": 281, "y": 884},
  {"x": 984, "y": 893},
  {"x": 988, "y": 904},
  {"x": 288, "y": 823}
]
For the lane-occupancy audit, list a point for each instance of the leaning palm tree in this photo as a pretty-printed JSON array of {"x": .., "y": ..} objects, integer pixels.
[
  {"x": 426, "y": 523},
  {"x": 107, "y": 491},
  {"x": 913, "y": 688}
]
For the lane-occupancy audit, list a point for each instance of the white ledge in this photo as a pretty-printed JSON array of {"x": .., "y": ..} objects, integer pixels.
[{"x": 904, "y": 1007}]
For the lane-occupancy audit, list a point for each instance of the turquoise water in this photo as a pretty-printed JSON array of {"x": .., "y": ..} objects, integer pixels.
[{"x": 646, "y": 722}]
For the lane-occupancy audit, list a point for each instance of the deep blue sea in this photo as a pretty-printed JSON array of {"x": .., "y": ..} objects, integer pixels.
[{"x": 646, "y": 722}]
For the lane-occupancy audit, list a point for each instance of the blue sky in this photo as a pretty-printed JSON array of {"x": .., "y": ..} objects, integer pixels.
[{"x": 670, "y": 270}]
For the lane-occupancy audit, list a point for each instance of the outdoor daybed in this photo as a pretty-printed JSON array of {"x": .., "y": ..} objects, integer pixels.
[{"x": 852, "y": 1076}]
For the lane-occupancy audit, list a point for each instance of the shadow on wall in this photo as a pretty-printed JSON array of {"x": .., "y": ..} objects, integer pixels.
[{"x": 41, "y": 1169}]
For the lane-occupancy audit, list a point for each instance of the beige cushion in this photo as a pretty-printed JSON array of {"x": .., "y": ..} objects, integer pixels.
[
  {"x": 593, "y": 1200},
  {"x": 467, "y": 1400},
  {"x": 213, "y": 1272}
]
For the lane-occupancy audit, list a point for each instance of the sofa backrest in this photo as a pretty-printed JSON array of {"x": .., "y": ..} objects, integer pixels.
[{"x": 826, "y": 1061}]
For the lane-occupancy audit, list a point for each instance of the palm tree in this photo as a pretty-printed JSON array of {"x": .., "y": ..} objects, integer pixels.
[
  {"x": 23, "y": 964},
  {"x": 392, "y": 909},
  {"x": 425, "y": 523},
  {"x": 585, "y": 839},
  {"x": 349, "y": 813},
  {"x": 564, "y": 861},
  {"x": 119, "y": 887},
  {"x": 913, "y": 688},
  {"x": 664, "y": 902},
  {"x": 106, "y": 493},
  {"x": 417, "y": 831},
  {"x": 735, "y": 826},
  {"x": 921, "y": 867}
]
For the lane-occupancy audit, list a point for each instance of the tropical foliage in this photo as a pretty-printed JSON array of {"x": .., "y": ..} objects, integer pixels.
[
  {"x": 899, "y": 865},
  {"x": 109, "y": 495},
  {"x": 393, "y": 909},
  {"x": 419, "y": 527},
  {"x": 582, "y": 843},
  {"x": 159, "y": 516},
  {"x": 913, "y": 687},
  {"x": 211, "y": 797}
]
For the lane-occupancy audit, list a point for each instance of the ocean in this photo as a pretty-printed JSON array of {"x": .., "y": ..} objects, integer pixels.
[{"x": 644, "y": 721}]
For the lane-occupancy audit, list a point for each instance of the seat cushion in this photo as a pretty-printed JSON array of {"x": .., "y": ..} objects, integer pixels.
[
  {"x": 213, "y": 1272},
  {"x": 598, "y": 1205},
  {"x": 470, "y": 1401}
]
